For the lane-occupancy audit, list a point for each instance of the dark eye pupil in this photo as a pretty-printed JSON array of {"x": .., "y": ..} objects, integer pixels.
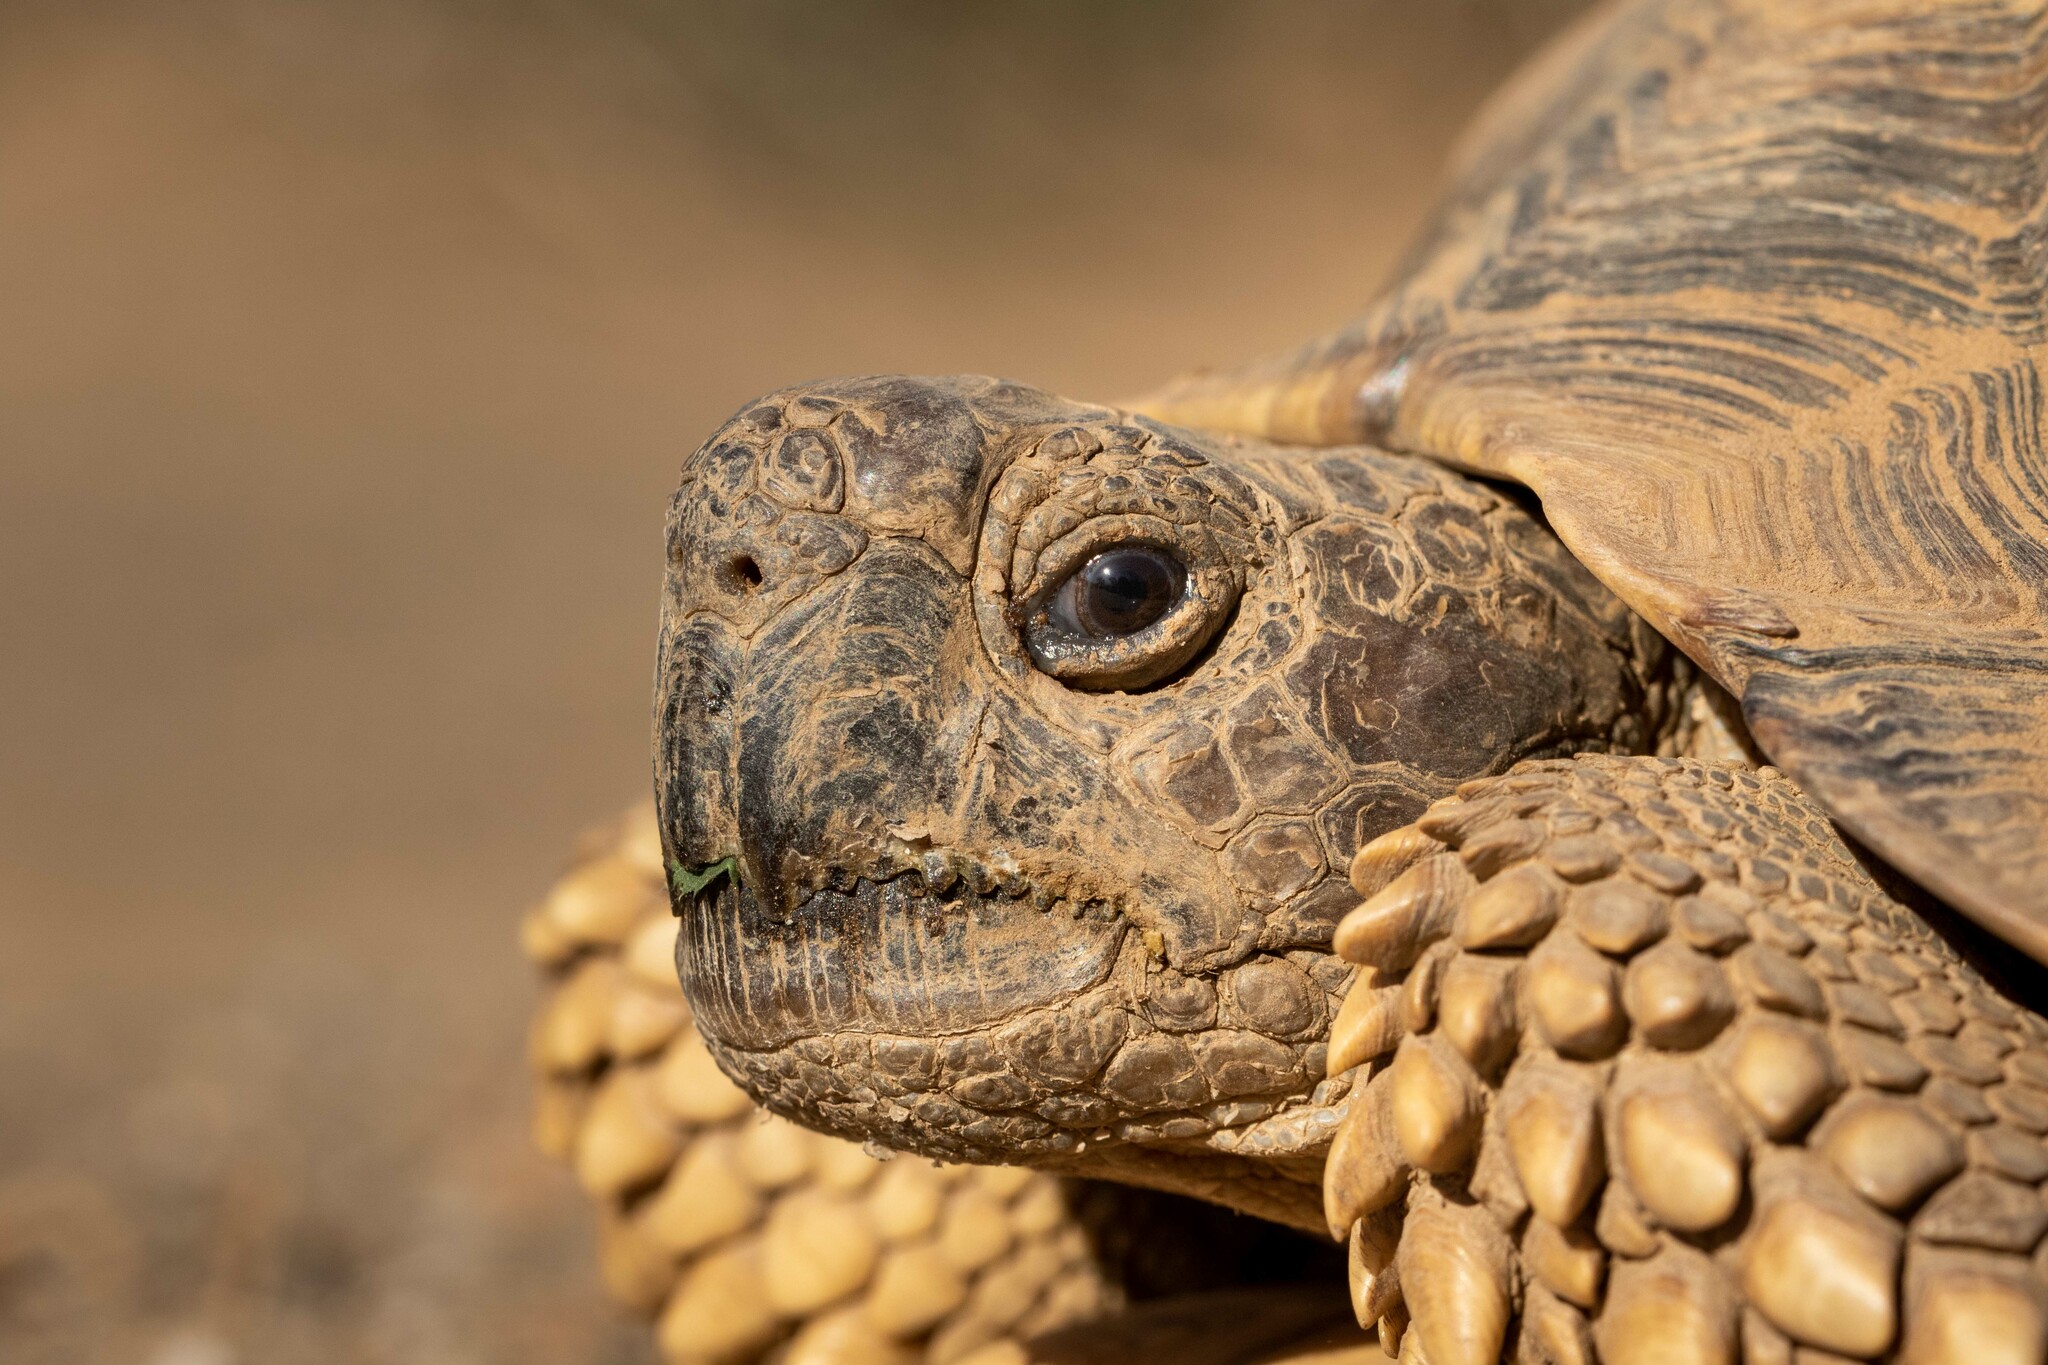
[{"x": 1120, "y": 592}]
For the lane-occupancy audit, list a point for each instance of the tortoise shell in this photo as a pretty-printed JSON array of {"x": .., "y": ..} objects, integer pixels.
[{"x": 1751, "y": 294}]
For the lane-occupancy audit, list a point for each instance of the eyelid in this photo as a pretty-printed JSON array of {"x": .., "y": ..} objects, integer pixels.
[{"x": 1066, "y": 554}]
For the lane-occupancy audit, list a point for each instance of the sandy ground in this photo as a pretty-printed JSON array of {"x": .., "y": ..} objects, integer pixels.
[{"x": 349, "y": 350}]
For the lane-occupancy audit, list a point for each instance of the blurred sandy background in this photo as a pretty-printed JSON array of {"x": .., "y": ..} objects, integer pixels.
[{"x": 347, "y": 350}]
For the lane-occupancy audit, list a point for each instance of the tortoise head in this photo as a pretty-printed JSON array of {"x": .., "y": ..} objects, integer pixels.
[{"x": 1034, "y": 739}]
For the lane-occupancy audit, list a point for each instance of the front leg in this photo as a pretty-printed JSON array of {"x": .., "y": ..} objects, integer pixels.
[{"x": 1656, "y": 1072}]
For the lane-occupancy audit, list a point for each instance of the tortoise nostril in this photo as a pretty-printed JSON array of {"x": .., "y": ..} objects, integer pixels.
[{"x": 745, "y": 572}]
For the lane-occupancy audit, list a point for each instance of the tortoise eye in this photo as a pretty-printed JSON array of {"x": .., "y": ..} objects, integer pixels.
[
  {"x": 1126, "y": 617},
  {"x": 1119, "y": 592}
]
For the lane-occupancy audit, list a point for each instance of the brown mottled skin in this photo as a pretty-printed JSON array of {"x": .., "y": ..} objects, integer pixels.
[
  {"x": 1646, "y": 1058},
  {"x": 989, "y": 915}
]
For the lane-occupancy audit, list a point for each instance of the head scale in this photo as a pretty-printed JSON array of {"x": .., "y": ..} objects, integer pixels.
[{"x": 1041, "y": 736}]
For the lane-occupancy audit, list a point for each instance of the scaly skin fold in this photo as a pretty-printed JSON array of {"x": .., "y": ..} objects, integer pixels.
[{"x": 1727, "y": 1097}]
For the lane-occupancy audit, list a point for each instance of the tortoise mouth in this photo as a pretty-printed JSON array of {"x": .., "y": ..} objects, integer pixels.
[{"x": 952, "y": 944}]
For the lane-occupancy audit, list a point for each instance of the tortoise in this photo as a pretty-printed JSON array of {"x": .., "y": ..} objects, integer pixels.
[{"x": 1546, "y": 787}]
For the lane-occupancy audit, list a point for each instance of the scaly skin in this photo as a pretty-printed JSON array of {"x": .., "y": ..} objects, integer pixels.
[
  {"x": 1659, "y": 1073},
  {"x": 990, "y": 908}
]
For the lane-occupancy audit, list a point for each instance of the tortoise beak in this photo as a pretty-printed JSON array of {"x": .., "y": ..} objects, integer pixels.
[{"x": 837, "y": 772}]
